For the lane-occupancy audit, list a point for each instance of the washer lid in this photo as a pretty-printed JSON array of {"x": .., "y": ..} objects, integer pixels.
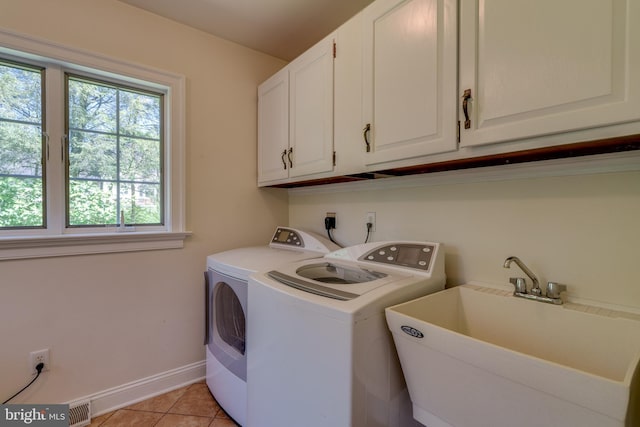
[
  {"x": 332, "y": 280},
  {"x": 336, "y": 274}
]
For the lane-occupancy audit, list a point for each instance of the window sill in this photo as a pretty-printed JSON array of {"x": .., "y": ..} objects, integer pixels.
[{"x": 85, "y": 244}]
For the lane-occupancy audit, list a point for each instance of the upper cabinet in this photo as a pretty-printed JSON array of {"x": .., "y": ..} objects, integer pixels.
[
  {"x": 409, "y": 78},
  {"x": 421, "y": 82},
  {"x": 273, "y": 128},
  {"x": 531, "y": 68},
  {"x": 311, "y": 110},
  {"x": 295, "y": 117}
]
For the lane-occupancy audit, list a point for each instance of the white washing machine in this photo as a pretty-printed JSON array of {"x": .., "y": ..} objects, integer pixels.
[
  {"x": 320, "y": 353},
  {"x": 226, "y": 308}
]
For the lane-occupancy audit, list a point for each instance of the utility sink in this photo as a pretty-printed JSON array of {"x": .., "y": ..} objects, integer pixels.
[{"x": 476, "y": 356}]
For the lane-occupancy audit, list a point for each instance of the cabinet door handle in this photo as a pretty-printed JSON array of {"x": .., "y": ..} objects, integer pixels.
[
  {"x": 466, "y": 97},
  {"x": 365, "y": 135},
  {"x": 284, "y": 163},
  {"x": 289, "y": 157}
]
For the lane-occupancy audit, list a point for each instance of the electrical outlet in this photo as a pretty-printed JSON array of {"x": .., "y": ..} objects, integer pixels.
[
  {"x": 371, "y": 219},
  {"x": 330, "y": 221},
  {"x": 39, "y": 356}
]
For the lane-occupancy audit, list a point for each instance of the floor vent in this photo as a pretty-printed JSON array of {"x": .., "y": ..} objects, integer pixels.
[{"x": 80, "y": 413}]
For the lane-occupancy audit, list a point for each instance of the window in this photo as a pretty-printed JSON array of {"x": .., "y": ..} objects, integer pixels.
[
  {"x": 22, "y": 166},
  {"x": 91, "y": 153},
  {"x": 114, "y": 163}
]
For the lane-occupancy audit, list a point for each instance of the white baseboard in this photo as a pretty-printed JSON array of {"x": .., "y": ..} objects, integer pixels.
[{"x": 145, "y": 388}]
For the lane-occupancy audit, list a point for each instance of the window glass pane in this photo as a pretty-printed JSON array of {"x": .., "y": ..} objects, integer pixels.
[
  {"x": 140, "y": 160},
  {"x": 140, "y": 115},
  {"x": 92, "y": 107},
  {"x": 115, "y": 155},
  {"x": 22, "y": 202},
  {"x": 20, "y": 93},
  {"x": 141, "y": 203},
  {"x": 93, "y": 155},
  {"x": 93, "y": 202},
  {"x": 20, "y": 149}
]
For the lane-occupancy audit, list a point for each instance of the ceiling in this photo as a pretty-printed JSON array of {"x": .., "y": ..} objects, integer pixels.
[{"x": 281, "y": 28}]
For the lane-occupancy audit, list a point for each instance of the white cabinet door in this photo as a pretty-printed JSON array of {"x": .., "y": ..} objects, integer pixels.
[
  {"x": 311, "y": 110},
  {"x": 273, "y": 128},
  {"x": 409, "y": 78},
  {"x": 347, "y": 98},
  {"x": 547, "y": 66}
]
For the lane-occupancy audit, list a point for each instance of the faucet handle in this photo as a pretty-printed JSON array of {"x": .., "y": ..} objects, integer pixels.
[
  {"x": 554, "y": 289},
  {"x": 520, "y": 283}
]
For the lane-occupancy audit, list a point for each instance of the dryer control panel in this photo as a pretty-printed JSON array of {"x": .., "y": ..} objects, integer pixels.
[
  {"x": 294, "y": 239},
  {"x": 402, "y": 254},
  {"x": 287, "y": 236}
]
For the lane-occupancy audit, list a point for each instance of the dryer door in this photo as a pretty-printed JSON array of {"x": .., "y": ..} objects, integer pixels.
[{"x": 226, "y": 317}]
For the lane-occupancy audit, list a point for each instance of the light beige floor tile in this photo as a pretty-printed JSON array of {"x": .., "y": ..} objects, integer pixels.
[
  {"x": 128, "y": 418},
  {"x": 98, "y": 421},
  {"x": 222, "y": 422},
  {"x": 222, "y": 414},
  {"x": 197, "y": 400},
  {"x": 174, "y": 420},
  {"x": 191, "y": 406},
  {"x": 160, "y": 403}
]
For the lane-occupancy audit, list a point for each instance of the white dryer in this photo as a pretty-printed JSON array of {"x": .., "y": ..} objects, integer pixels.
[
  {"x": 320, "y": 353},
  {"x": 226, "y": 308}
]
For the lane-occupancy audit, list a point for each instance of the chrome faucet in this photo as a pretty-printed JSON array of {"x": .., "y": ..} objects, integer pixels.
[
  {"x": 535, "y": 289},
  {"x": 553, "y": 289}
]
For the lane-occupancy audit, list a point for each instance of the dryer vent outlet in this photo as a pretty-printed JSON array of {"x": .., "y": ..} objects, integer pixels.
[{"x": 80, "y": 413}]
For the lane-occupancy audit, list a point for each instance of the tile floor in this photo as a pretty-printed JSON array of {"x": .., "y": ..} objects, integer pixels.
[{"x": 190, "y": 406}]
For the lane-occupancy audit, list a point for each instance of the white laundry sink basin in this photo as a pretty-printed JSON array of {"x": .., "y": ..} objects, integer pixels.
[{"x": 476, "y": 356}]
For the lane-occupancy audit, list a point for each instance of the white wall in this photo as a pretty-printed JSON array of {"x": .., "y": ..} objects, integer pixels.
[
  {"x": 114, "y": 319},
  {"x": 582, "y": 231}
]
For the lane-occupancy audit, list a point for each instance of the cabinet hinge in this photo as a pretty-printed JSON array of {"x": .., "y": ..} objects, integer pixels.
[
  {"x": 334, "y": 158},
  {"x": 335, "y": 49}
]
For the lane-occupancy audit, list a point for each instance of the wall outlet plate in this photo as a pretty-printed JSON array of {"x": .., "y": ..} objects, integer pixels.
[
  {"x": 371, "y": 219},
  {"x": 330, "y": 221},
  {"x": 39, "y": 356}
]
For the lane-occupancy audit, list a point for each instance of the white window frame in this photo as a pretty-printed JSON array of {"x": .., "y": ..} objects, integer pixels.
[{"x": 56, "y": 240}]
